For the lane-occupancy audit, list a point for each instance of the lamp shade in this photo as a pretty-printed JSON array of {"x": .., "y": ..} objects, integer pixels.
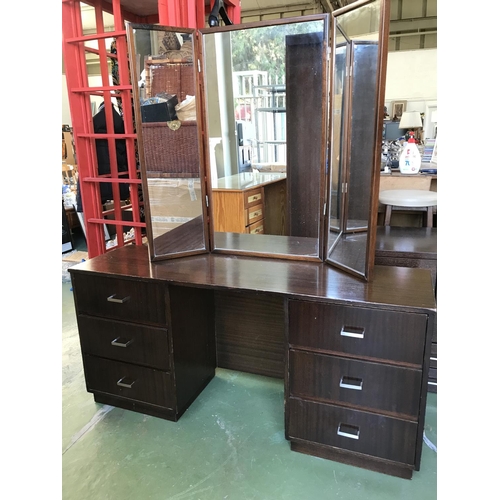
[{"x": 410, "y": 119}]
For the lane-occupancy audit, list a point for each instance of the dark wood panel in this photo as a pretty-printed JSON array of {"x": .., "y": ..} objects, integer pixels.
[
  {"x": 358, "y": 331},
  {"x": 127, "y": 342},
  {"x": 250, "y": 331},
  {"x": 146, "y": 384},
  {"x": 275, "y": 208},
  {"x": 304, "y": 146},
  {"x": 414, "y": 242},
  {"x": 127, "y": 300},
  {"x": 193, "y": 338},
  {"x": 372, "y": 386},
  {"x": 351, "y": 458},
  {"x": 138, "y": 406},
  {"x": 394, "y": 287},
  {"x": 377, "y": 435}
]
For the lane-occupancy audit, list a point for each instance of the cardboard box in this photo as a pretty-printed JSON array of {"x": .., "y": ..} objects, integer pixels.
[{"x": 173, "y": 201}]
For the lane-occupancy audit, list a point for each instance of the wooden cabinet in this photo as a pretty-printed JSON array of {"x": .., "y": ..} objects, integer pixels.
[
  {"x": 239, "y": 211},
  {"x": 354, "y": 356},
  {"x": 135, "y": 351},
  {"x": 355, "y": 383},
  {"x": 250, "y": 203}
]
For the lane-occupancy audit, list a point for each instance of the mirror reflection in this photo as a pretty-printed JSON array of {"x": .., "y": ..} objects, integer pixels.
[
  {"x": 167, "y": 124},
  {"x": 265, "y": 87},
  {"x": 355, "y": 115}
]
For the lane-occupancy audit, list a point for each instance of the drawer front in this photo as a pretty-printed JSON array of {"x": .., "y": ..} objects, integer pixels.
[
  {"x": 128, "y": 342},
  {"x": 116, "y": 298},
  {"x": 255, "y": 214},
  {"x": 354, "y": 430},
  {"x": 374, "y": 386},
  {"x": 358, "y": 331},
  {"x": 256, "y": 228},
  {"x": 253, "y": 197},
  {"x": 129, "y": 381}
]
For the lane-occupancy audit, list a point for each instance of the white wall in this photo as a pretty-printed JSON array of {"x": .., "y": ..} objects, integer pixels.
[{"x": 411, "y": 77}]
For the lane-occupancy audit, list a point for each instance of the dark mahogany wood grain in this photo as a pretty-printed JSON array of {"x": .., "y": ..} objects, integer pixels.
[
  {"x": 393, "y": 287},
  {"x": 376, "y": 387},
  {"x": 389, "y": 336},
  {"x": 143, "y": 302},
  {"x": 352, "y": 458},
  {"x": 284, "y": 247},
  {"x": 250, "y": 332},
  {"x": 147, "y": 385},
  {"x": 379, "y": 436},
  {"x": 191, "y": 314},
  {"x": 121, "y": 341},
  {"x": 188, "y": 237}
]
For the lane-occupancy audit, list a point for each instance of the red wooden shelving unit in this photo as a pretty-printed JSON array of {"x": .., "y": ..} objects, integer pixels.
[{"x": 180, "y": 13}]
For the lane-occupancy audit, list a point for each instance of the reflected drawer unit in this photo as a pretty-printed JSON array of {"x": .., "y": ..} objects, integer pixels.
[
  {"x": 354, "y": 384},
  {"x": 239, "y": 211},
  {"x": 128, "y": 329}
]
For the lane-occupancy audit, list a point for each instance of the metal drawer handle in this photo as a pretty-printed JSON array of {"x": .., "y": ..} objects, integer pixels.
[
  {"x": 351, "y": 383},
  {"x": 119, "y": 343},
  {"x": 353, "y": 331},
  {"x": 348, "y": 431},
  {"x": 126, "y": 382},
  {"x": 113, "y": 298},
  {"x": 255, "y": 214},
  {"x": 255, "y": 197}
]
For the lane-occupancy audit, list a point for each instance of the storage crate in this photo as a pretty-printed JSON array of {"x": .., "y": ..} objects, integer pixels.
[
  {"x": 163, "y": 75},
  {"x": 173, "y": 153}
]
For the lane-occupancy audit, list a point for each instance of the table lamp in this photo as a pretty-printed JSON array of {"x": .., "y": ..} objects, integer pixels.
[{"x": 410, "y": 120}]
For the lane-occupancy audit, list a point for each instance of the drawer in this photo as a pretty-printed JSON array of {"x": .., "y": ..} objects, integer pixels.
[
  {"x": 358, "y": 331},
  {"x": 127, "y": 300},
  {"x": 374, "y": 386},
  {"x": 253, "y": 197},
  {"x": 359, "y": 431},
  {"x": 145, "y": 345},
  {"x": 256, "y": 228},
  {"x": 129, "y": 381},
  {"x": 254, "y": 214}
]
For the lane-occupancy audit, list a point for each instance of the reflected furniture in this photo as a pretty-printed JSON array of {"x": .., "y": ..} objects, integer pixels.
[
  {"x": 354, "y": 355},
  {"x": 409, "y": 198},
  {"x": 249, "y": 202}
]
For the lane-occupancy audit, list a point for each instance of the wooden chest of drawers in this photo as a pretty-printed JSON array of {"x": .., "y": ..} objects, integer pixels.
[
  {"x": 136, "y": 354},
  {"x": 354, "y": 384},
  {"x": 355, "y": 356},
  {"x": 239, "y": 211}
]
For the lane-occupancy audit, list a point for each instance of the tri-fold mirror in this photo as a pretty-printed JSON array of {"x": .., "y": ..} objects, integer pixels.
[{"x": 262, "y": 139}]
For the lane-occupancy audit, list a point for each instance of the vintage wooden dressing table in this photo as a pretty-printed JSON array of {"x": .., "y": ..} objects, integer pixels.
[{"x": 351, "y": 340}]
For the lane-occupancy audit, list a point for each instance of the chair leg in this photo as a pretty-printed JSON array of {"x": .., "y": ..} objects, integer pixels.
[
  {"x": 429, "y": 217},
  {"x": 388, "y": 213}
]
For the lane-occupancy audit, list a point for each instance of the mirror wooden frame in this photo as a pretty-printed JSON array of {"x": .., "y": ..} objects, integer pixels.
[
  {"x": 365, "y": 246},
  {"x": 323, "y": 180}
]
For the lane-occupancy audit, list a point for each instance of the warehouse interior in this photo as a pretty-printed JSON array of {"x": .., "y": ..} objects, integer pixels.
[{"x": 230, "y": 443}]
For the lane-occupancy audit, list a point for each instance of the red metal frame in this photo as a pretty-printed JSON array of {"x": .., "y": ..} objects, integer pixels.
[{"x": 181, "y": 13}]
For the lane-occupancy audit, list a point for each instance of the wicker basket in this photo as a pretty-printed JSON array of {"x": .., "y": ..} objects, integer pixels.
[
  {"x": 173, "y": 153},
  {"x": 172, "y": 77}
]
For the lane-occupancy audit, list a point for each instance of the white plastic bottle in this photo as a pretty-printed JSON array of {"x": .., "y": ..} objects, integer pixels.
[{"x": 410, "y": 160}]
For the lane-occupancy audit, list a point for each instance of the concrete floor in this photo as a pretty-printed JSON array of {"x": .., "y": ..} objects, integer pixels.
[{"x": 228, "y": 445}]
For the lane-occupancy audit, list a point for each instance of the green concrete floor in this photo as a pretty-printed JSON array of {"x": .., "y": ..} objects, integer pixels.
[{"x": 228, "y": 445}]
